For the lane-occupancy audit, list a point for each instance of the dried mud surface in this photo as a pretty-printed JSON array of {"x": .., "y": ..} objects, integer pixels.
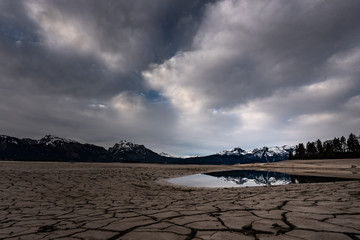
[{"x": 130, "y": 201}]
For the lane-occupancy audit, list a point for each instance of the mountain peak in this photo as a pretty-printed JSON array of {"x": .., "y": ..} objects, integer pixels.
[
  {"x": 132, "y": 152},
  {"x": 125, "y": 146},
  {"x": 275, "y": 151},
  {"x": 233, "y": 152},
  {"x": 53, "y": 140}
]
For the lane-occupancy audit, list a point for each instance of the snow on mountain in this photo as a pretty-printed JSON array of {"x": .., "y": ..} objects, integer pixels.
[
  {"x": 269, "y": 151},
  {"x": 8, "y": 139},
  {"x": 259, "y": 152},
  {"x": 272, "y": 152},
  {"x": 50, "y": 140},
  {"x": 163, "y": 154},
  {"x": 264, "y": 154},
  {"x": 233, "y": 152},
  {"x": 124, "y": 147},
  {"x": 289, "y": 149},
  {"x": 131, "y": 152}
]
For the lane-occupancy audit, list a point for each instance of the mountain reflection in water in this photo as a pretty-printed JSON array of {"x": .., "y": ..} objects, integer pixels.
[
  {"x": 247, "y": 178},
  {"x": 253, "y": 178}
]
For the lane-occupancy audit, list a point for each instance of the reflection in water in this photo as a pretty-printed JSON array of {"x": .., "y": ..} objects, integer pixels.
[
  {"x": 252, "y": 178},
  {"x": 246, "y": 178}
]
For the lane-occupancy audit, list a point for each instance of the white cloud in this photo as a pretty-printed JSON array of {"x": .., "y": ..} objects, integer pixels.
[{"x": 175, "y": 80}]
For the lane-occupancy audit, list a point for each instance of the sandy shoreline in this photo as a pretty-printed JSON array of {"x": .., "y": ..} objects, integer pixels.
[{"x": 126, "y": 201}]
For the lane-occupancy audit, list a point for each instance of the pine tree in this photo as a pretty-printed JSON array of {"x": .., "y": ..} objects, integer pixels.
[
  {"x": 319, "y": 146},
  {"x": 300, "y": 151},
  {"x": 310, "y": 148},
  {"x": 353, "y": 143},
  {"x": 328, "y": 146},
  {"x": 343, "y": 144},
  {"x": 337, "y": 145}
]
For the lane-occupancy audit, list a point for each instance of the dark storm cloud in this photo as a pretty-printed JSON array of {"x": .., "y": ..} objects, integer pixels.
[
  {"x": 143, "y": 31},
  {"x": 140, "y": 31},
  {"x": 31, "y": 65}
]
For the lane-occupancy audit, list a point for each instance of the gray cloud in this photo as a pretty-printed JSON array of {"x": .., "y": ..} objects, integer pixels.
[
  {"x": 245, "y": 51},
  {"x": 185, "y": 77}
]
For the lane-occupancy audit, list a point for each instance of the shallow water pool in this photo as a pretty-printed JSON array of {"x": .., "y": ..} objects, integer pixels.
[{"x": 246, "y": 178}]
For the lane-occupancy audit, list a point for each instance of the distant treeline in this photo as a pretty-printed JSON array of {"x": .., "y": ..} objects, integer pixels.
[{"x": 335, "y": 148}]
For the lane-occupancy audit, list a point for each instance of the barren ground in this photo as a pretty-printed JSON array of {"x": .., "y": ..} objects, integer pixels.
[{"x": 130, "y": 201}]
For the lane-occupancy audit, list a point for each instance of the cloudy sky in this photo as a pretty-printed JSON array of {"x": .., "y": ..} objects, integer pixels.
[{"x": 183, "y": 77}]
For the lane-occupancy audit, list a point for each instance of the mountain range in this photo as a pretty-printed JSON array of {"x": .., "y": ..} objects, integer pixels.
[{"x": 52, "y": 148}]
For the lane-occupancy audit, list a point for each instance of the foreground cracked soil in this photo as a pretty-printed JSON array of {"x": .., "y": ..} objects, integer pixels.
[{"x": 125, "y": 201}]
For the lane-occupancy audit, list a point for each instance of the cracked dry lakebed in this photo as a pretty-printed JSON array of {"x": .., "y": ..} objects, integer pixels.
[{"x": 135, "y": 201}]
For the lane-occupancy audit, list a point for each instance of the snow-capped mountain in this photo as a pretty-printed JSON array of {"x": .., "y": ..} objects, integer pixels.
[
  {"x": 233, "y": 152},
  {"x": 51, "y": 140},
  {"x": 259, "y": 152},
  {"x": 264, "y": 154},
  {"x": 124, "y": 146},
  {"x": 272, "y": 153},
  {"x": 131, "y": 152}
]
